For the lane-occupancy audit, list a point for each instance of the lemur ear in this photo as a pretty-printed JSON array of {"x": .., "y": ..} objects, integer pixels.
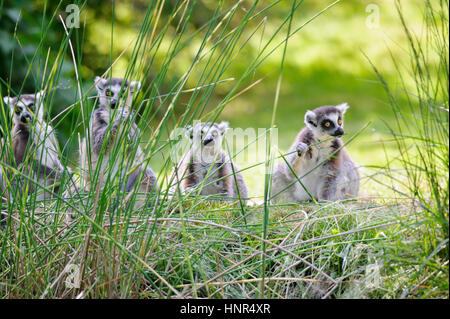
[
  {"x": 189, "y": 132},
  {"x": 7, "y": 100},
  {"x": 310, "y": 118},
  {"x": 343, "y": 107},
  {"x": 223, "y": 127},
  {"x": 135, "y": 86},
  {"x": 99, "y": 83},
  {"x": 39, "y": 105},
  {"x": 40, "y": 96}
]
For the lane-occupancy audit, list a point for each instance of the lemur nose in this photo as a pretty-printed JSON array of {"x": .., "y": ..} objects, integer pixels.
[
  {"x": 113, "y": 104},
  {"x": 25, "y": 118},
  {"x": 207, "y": 141},
  {"x": 339, "y": 131}
]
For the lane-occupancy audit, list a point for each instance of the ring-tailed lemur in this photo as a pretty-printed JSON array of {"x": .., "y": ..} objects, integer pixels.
[
  {"x": 110, "y": 95},
  {"x": 336, "y": 178},
  {"x": 206, "y": 167},
  {"x": 34, "y": 144}
]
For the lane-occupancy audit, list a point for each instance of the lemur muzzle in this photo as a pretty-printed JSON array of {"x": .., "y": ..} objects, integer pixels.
[
  {"x": 207, "y": 141},
  {"x": 339, "y": 131}
]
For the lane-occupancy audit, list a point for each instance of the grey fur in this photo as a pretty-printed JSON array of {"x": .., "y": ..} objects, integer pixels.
[
  {"x": 100, "y": 126},
  {"x": 34, "y": 144},
  {"x": 337, "y": 178},
  {"x": 206, "y": 168}
]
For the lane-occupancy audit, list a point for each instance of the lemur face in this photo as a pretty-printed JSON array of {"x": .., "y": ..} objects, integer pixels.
[
  {"x": 207, "y": 135},
  {"x": 110, "y": 91},
  {"x": 327, "y": 121},
  {"x": 26, "y": 107}
]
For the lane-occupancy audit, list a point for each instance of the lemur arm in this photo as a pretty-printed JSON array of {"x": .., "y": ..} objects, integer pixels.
[
  {"x": 98, "y": 132},
  {"x": 51, "y": 168},
  {"x": 186, "y": 174},
  {"x": 241, "y": 187},
  {"x": 124, "y": 116},
  {"x": 294, "y": 160}
]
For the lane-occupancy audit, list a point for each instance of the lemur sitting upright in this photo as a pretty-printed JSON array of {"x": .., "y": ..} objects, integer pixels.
[
  {"x": 34, "y": 144},
  {"x": 334, "y": 179},
  {"x": 206, "y": 168},
  {"x": 110, "y": 94}
]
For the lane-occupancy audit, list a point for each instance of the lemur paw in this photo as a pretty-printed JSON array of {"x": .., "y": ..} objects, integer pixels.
[
  {"x": 125, "y": 113},
  {"x": 301, "y": 147}
]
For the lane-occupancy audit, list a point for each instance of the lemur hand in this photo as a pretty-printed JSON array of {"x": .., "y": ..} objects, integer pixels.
[
  {"x": 301, "y": 147},
  {"x": 124, "y": 113}
]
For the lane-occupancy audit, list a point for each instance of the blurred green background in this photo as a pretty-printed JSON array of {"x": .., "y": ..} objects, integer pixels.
[{"x": 325, "y": 65}]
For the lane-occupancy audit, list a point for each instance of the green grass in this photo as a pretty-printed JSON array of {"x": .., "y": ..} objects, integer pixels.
[{"x": 391, "y": 242}]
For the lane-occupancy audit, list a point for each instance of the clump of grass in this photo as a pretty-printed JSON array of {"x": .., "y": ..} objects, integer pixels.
[{"x": 420, "y": 132}]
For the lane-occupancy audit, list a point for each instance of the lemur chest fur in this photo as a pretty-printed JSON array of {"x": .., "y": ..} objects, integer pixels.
[
  {"x": 320, "y": 162},
  {"x": 319, "y": 157},
  {"x": 21, "y": 135},
  {"x": 208, "y": 175}
]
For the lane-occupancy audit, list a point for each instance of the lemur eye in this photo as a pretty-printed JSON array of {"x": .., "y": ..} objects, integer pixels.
[
  {"x": 17, "y": 110},
  {"x": 327, "y": 124},
  {"x": 108, "y": 92},
  {"x": 340, "y": 122}
]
